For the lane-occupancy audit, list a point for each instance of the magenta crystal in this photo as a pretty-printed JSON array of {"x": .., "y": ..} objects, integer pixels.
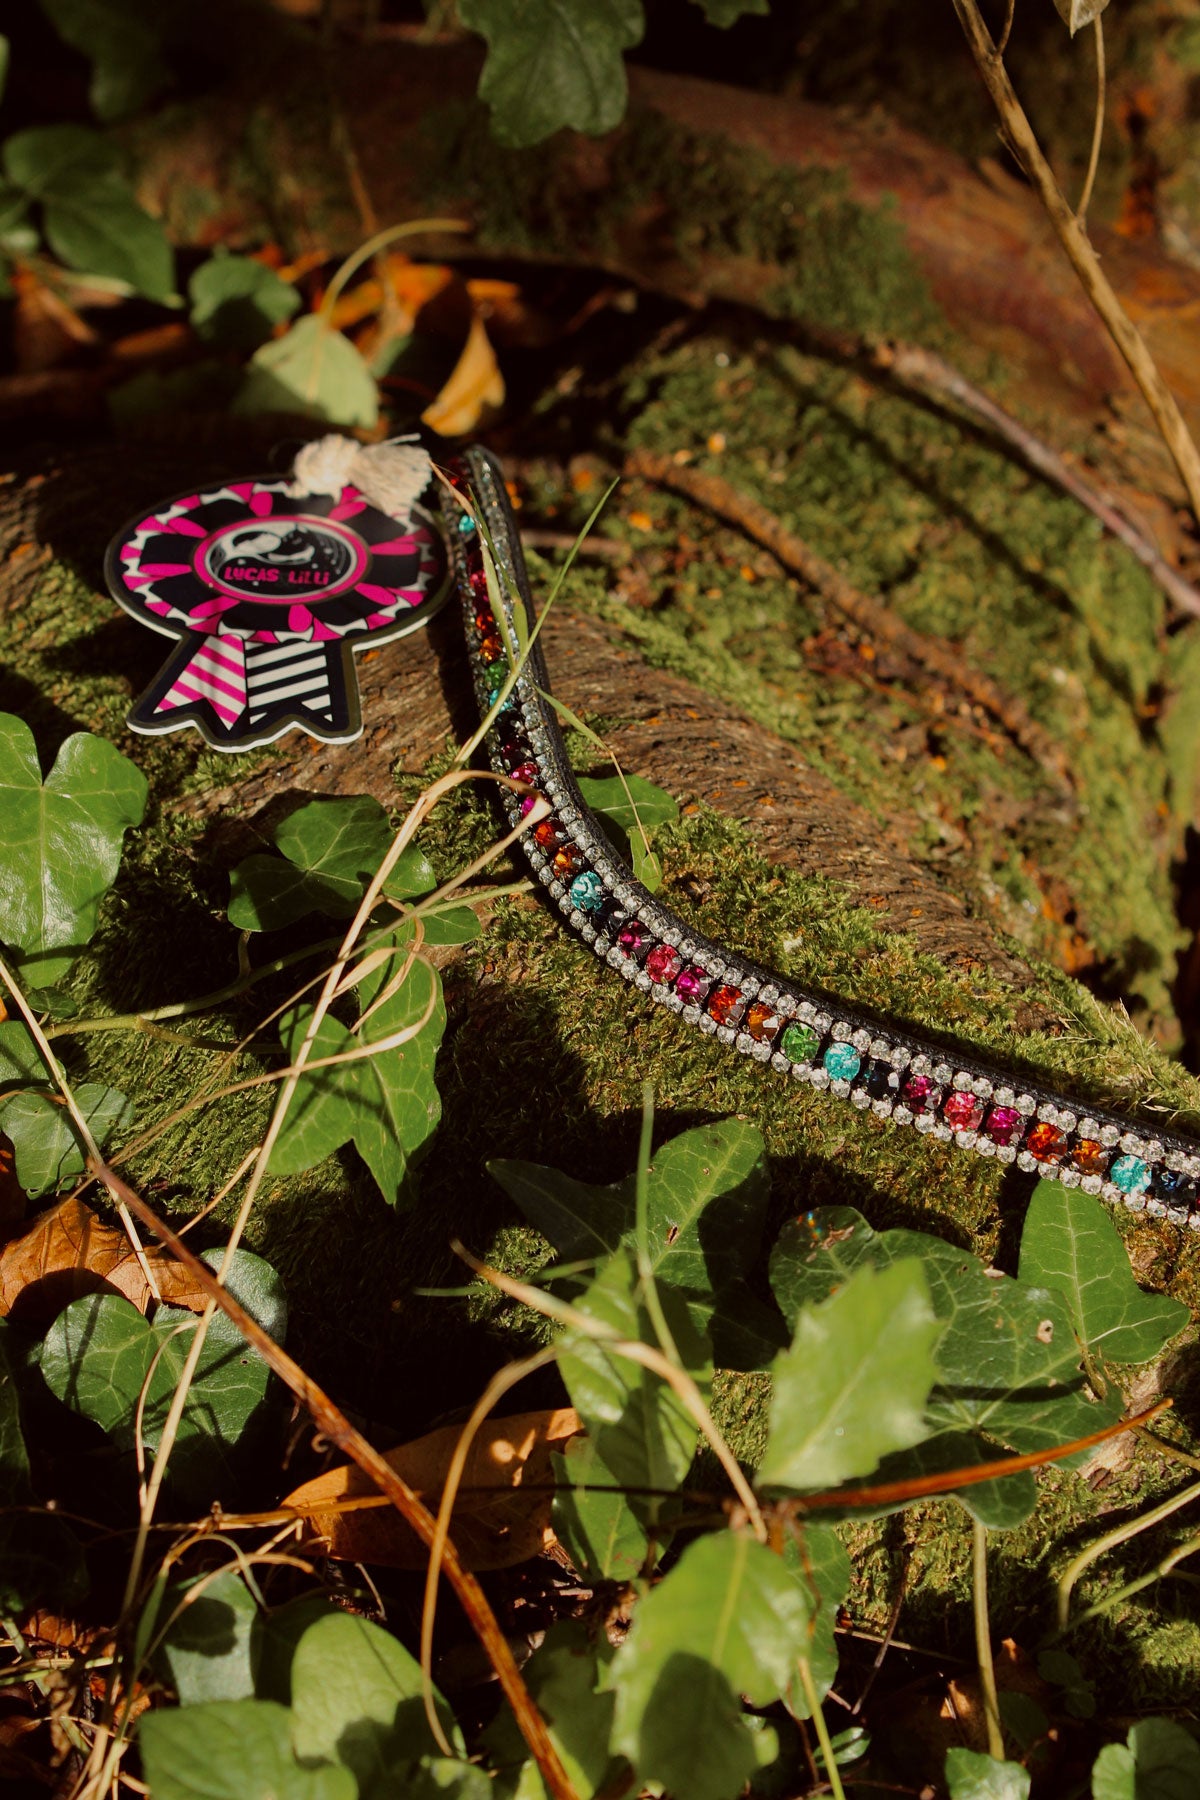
[
  {"x": 526, "y": 771},
  {"x": 693, "y": 985},
  {"x": 632, "y": 938},
  {"x": 528, "y": 803},
  {"x": 1003, "y": 1124},
  {"x": 963, "y": 1111},
  {"x": 917, "y": 1089}
]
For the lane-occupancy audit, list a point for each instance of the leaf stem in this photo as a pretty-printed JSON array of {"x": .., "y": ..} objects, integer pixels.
[
  {"x": 391, "y": 234},
  {"x": 816, "y": 1713},
  {"x": 983, "y": 1640},
  {"x": 1164, "y": 1567},
  {"x": 1089, "y": 180}
]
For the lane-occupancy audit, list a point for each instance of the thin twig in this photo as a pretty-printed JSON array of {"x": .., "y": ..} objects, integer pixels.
[
  {"x": 1089, "y": 180},
  {"x": 1081, "y": 254},
  {"x": 1165, "y": 1567},
  {"x": 1120, "y": 1534},
  {"x": 936, "y": 658},
  {"x": 1010, "y": 13},
  {"x": 333, "y": 1425}
]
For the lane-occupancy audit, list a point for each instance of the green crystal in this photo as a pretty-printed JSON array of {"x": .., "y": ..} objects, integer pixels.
[{"x": 799, "y": 1043}]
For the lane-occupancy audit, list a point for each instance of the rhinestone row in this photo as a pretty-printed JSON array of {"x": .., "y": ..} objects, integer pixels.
[{"x": 891, "y": 1074}]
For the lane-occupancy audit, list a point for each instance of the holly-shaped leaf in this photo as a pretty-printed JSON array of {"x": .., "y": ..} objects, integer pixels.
[
  {"x": 1069, "y": 1243},
  {"x": 49, "y": 1153},
  {"x": 553, "y": 63},
  {"x": 386, "y": 1103},
  {"x": 970, "y": 1775},
  {"x": 728, "y": 1620},
  {"x": 232, "y": 1750},
  {"x": 854, "y": 1383},
  {"x": 1158, "y": 1761},
  {"x": 333, "y": 848},
  {"x": 312, "y": 370},
  {"x": 236, "y": 302},
  {"x": 60, "y": 843}
]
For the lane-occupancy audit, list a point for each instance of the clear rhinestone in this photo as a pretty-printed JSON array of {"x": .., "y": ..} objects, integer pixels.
[
  {"x": 962, "y": 1081},
  {"x": 588, "y": 933},
  {"x": 921, "y": 1065},
  {"x": 900, "y": 1057},
  {"x": 1069, "y": 1177},
  {"x": 761, "y": 1052},
  {"x": 1066, "y": 1120},
  {"x": 819, "y": 1078},
  {"x": 840, "y": 1088},
  {"x": 860, "y": 1098},
  {"x": 924, "y": 1122},
  {"x": 1005, "y": 1097},
  {"x": 707, "y": 1025},
  {"x": 769, "y": 993},
  {"x": 880, "y": 1049},
  {"x": 1178, "y": 1215},
  {"x": 690, "y": 1014},
  {"x": 1047, "y": 1112},
  {"x": 642, "y": 980},
  {"x": 1137, "y": 1203},
  {"x": 841, "y": 1032},
  {"x": 902, "y": 1116},
  {"x": 1091, "y": 1184},
  {"x": 1005, "y": 1153},
  {"x": 942, "y": 1074},
  {"x": 745, "y": 1043},
  {"x": 1108, "y": 1136},
  {"x": 1132, "y": 1144},
  {"x": 942, "y": 1133},
  {"x": 985, "y": 1146},
  {"x": 726, "y": 1034},
  {"x": 821, "y": 1022},
  {"x": 786, "y": 1005},
  {"x": 780, "y": 1062},
  {"x": 1025, "y": 1104},
  {"x": 861, "y": 1041},
  {"x": 981, "y": 1086},
  {"x": 966, "y": 1139},
  {"x": 672, "y": 1002},
  {"x": 1154, "y": 1151},
  {"x": 882, "y": 1108},
  {"x": 1027, "y": 1162}
]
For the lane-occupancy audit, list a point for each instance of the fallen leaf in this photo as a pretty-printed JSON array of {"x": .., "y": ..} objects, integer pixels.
[
  {"x": 67, "y": 1252},
  {"x": 502, "y": 1513},
  {"x": 46, "y": 331},
  {"x": 475, "y": 384}
]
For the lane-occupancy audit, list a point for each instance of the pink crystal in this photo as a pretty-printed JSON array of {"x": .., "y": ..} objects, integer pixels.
[
  {"x": 963, "y": 1111},
  {"x": 917, "y": 1089},
  {"x": 692, "y": 984},
  {"x": 632, "y": 938}
]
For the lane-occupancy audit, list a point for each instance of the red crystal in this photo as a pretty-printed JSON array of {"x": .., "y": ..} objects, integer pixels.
[
  {"x": 546, "y": 834},
  {"x": 663, "y": 963},
  {"x": 1003, "y": 1124},
  {"x": 761, "y": 1022},
  {"x": 1047, "y": 1143},
  {"x": 725, "y": 1005},
  {"x": 526, "y": 771},
  {"x": 963, "y": 1111}
]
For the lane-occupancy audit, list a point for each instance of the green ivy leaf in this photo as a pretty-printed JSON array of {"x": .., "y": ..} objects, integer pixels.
[
  {"x": 706, "y": 1201},
  {"x": 48, "y": 1153},
  {"x": 356, "y": 1700},
  {"x": 205, "y": 1653},
  {"x": 98, "y": 1355},
  {"x": 236, "y": 302},
  {"x": 819, "y": 1562},
  {"x": 312, "y": 370},
  {"x": 232, "y": 1750},
  {"x": 563, "y": 1676},
  {"x": 1078, "y": 1695},
  {"x": 1158, "y": 1761},
  {"x": 724, "y": 13},
  {"x": 643, "y": 804},
  {"x": 333, "y": 849},
  {"x": 970, "y": 1775},
  {"x": 728, "y": 1620},
  {"x": 592, "y": 1518},
  {"x": 273, "y": 1642},
  {"x": 14, "y": 210},
  {"x": 20, "y": 1059},
  {"x": 552, "y": 63},
  {"x": 98, "y": 227},
  {"x": 1069, "y": 1243},
  {"x": 387, "y": 1104},
  {"x": 122, "y": 39},
  {"x": 60, "y": 843},
  {"x": 853, "y": 1385},
  {"x": 47, "y": 158},
  {"x": 1008, "y": 1364}
]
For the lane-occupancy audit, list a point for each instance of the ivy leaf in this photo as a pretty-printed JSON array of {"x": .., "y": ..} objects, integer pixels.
[
  {"x": 592, "y": 1518},
  {"x": 386, "y": 1103},
  {"x": 236, "y": 302},
  {"x": 707, "y": 1195},
  {"x": 553, "y": 63},
  {"x": 123, "y": 43},
  {"x": 99, "y": 228},
  {"x": 333, "y": 849},
  {"x": 98, "y": 1356},
  {"x": 1158, "y": 1761},
  {"x": 205, "y": 1653},
  {"x": 629, "y": 803},
  {"x": 643, "y": 1433},
  {"x": 854, "y": 1383},
  {"x": 724, "y": 13},
  {"x": 563, "y": 1676},
  {"x": 20, "y": 1058},
  {"x": 1078, "y": 1694},
  {"x": 821, "y": 1565},
  {"x": 46, "y": 158},
  {"x": 312, "y": 370},
  {"x": 232, "y": 1750},
  {"x": 970, "y": 1775},
  {"x": 47, "y": 1149},
  {"x": 1008, "y": 1364},
  {"x": 1075, "y": 14},
  {"x": 727, "y": 1620},
  {"x": 356, "y": 1700},
  {"x": 60, "y": 843},
  {"x": 1069, "y": 1243}
]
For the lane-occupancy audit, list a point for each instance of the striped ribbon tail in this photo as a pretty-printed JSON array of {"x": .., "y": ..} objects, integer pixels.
[
  {"x": 207, "y": 675},
  {"x": 297, "y": 677}
]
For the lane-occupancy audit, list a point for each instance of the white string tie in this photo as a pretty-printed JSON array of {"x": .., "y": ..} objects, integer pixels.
[{"x": 390, "y": 477}]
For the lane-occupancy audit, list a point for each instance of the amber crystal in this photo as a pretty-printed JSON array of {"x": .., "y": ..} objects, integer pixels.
[
  {"x": 491, "y": 650},
  {"x": 569, "y": 860},
  {"x": 761, "y": 1022},
  {"x": 1089, "y": 1157}
]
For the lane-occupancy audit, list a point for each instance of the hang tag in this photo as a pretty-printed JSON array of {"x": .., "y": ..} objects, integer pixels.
[{"x": 269, "y": 594}]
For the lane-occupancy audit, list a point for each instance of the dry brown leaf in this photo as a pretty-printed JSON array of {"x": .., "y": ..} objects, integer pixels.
[
  {"x": 46, "y": 331},
  {"x": 68, "y": 1251},
  {"x": 475, "y": 384},
  {"x": 501, "y": 1516}
]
